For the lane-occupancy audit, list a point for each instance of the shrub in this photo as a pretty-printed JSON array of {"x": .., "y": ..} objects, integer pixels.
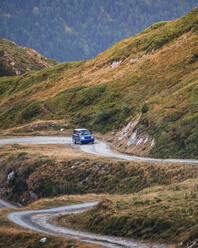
[
  {"x": 102, "y": 116},
  {"x": 125, "y": 109},
  {"x": 31, "y": 111},
  {"x": 145, "y": 108}
]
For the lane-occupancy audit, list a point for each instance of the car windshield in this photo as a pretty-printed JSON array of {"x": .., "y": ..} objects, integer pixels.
[{"x": 84, "y": 132}]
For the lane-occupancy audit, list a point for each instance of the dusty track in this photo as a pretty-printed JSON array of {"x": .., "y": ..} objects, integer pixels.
[
  {"x": 99, "y": 148},
  {"x": 40, "y": 220}
]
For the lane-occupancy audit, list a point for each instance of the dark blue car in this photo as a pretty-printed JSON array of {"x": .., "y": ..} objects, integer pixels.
[{"x": 82, "y": 136}]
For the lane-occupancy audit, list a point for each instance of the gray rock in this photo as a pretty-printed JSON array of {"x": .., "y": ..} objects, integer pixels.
[
  {"x": 11, "y": 174},
  {"x": 43, "y": 240}
]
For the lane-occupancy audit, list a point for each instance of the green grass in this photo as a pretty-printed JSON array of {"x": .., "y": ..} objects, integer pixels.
[
  {"x": 174, "y": 125},
  {"x": 8, "y": 85},
  {"x": 170, "y": 32},
  {"x": 50, "y": 74},
  {"x": 20, "y": 114},
  {"x": 27, "y": 240}
]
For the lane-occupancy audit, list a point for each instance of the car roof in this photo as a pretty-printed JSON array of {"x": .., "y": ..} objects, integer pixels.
[{"x": 80, "y": 129}]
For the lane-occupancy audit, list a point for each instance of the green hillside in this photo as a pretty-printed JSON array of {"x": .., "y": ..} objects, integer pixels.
[
  {"x": 73, "y": 30},
  {"x": 154, "y": 73}
]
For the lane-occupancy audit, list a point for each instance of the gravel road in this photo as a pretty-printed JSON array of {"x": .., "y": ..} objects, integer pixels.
[
  {"x": 99, "y": 148},
  {"x": 4, "y": 204},
  {"x": 40, "y": 220}
]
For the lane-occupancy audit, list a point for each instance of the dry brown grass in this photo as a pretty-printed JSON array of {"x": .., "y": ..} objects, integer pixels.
[
  {"x": 175, "y": 204},
  {"x": 54, "y": 151},
  {"x": 66, "y": 200},
  {"x": 89, "y": 74}
]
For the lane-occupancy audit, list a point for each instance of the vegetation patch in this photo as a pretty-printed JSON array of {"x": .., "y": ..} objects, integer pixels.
[
  {"x": 21, "y": 113},
  {"x": 26, "y": 177},
  {"x": 106, "y": 110}
]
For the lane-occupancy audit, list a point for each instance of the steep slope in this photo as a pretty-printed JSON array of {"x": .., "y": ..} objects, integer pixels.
[
  {"x": 151, "y": 77},
  {"x": 15, "y": 60}
]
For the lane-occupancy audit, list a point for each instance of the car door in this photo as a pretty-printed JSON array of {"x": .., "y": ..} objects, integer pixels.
[
  {"x": 75, "y": 137},
  {"x": 78, "y": 137}
]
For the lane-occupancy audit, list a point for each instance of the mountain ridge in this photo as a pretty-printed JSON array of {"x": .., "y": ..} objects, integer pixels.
[{"x": 66, "y": 31}]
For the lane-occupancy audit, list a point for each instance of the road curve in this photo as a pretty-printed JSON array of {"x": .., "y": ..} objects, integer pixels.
[
  {"x": 4, "y": 204},
  {"x": 40, "y": 220},
  {"x": 99, "y": 148}
]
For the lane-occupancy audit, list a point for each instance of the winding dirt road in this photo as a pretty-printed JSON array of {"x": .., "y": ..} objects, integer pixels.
[
  {"x": 40, "y": 220},
  {"x": 99, "y": 148}
]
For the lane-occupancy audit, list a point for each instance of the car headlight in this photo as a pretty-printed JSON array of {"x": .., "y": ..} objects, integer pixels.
[{"x": 82, "y": 137}]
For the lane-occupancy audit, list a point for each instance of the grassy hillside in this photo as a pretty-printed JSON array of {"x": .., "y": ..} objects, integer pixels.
[
  {"x": 15, "y": 60},
  {"x": 154, "y": 73},
  {"x": 163, "y": 214},
  {"x": 155, "y": 202}
]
